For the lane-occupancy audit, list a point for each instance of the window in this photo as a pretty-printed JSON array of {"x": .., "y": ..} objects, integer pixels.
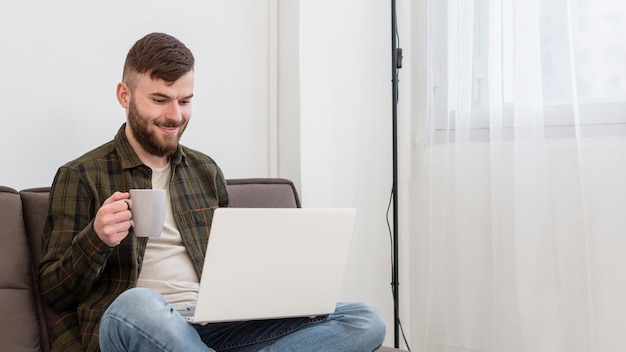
[{"x": 574, "y": 57}]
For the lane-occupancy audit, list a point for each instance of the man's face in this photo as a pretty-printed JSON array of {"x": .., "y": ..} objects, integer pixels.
[{"x": 158, "y": 113}]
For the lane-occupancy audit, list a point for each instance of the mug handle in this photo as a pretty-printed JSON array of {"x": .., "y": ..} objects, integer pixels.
[{"x": 130, "y": 206}]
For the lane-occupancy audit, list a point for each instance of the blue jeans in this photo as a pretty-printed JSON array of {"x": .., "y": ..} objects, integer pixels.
[{"x": 140, "y": 320}]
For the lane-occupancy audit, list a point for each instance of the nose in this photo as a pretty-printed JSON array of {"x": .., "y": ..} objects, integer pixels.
[{"x": 173, "y": 112}]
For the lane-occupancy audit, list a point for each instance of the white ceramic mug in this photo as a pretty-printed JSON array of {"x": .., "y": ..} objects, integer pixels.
[{"x": 148, "y": 211}]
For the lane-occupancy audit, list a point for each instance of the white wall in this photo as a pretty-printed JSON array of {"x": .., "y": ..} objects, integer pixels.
[{"x": 61, "y": 61}]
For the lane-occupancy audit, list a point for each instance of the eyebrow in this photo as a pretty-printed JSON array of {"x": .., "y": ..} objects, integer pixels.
[{"x": 157, "y": 94}]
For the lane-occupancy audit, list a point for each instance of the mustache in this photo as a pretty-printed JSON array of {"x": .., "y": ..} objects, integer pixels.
[{"x": 169, "y": 124}]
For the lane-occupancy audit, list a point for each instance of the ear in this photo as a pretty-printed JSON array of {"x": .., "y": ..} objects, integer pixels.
[{"x": 123, "y": 94}]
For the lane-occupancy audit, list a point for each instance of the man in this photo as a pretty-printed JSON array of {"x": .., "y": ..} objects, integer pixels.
[{"x": 118, "y": 292}]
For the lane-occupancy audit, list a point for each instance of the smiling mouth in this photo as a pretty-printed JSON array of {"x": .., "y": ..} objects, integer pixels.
[{"x": 169, "y": 130}]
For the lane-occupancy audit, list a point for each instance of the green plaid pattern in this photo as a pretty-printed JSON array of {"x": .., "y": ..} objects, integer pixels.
[{"x": 80, "y": 276}]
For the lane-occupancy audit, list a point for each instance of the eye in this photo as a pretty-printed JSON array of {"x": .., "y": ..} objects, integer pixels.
[{"x": 158, "y": 101}]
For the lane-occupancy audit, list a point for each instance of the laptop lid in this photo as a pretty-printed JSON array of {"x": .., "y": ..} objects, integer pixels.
[{"x": 264, "y": 263}]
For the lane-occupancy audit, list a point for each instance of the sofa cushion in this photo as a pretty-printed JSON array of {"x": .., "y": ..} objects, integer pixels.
[
  {"x": 19, "y": 312},
  {"x": 35, "y": 208},
  {"x": 262, "y": 193}
]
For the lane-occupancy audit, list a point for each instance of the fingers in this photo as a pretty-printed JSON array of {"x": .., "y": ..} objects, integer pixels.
[
  {"x": 115, "y": 197},
  {"x": 112, "y": 219}
]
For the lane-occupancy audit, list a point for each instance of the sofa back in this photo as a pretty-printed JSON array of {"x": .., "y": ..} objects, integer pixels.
[
  {"x": 21, "y": 322},
  {"x": 24, "y": 321}
]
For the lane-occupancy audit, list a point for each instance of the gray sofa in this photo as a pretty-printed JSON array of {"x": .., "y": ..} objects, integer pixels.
[{"x": 24, "y": 320}]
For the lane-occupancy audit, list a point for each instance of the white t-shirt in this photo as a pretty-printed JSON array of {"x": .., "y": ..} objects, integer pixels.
[{"x": 166, "y": 266}]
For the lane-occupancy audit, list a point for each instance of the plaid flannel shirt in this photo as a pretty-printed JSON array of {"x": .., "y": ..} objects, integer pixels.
[{"x": 80, "y": 275}]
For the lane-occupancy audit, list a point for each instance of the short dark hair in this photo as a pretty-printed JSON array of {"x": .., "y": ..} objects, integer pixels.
[{"x": 161, "y": 56}]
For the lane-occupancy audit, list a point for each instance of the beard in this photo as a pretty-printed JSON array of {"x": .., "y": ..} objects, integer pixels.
[{"x": 147, "y": 138}]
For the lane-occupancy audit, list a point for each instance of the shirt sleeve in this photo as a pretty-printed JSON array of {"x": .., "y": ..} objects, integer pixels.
[
  {"x": 222, "y": 189},
  {"x": 73, "y": 256}
]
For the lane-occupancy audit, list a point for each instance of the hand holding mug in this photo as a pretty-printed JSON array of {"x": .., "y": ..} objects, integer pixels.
[{"x": 111, "y": 222}]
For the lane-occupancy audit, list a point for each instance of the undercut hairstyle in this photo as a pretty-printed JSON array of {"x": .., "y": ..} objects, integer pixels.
[{"x": 159, "y": 55}]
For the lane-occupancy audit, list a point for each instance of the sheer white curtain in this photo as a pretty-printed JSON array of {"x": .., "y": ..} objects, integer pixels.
[{"x": 518, "y": 194}]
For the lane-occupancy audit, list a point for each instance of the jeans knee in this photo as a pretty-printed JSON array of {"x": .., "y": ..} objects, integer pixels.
[
  {"x": 376, "y": 323},
  {"x": 136, "y": 303},
  {"x": 366, "y": 319},
  {"x": 138, "y": 295},
  {"x": 142, "y": 317}
]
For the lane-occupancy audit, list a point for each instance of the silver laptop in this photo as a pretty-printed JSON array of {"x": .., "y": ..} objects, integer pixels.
[{"x": 265, "y": 263}]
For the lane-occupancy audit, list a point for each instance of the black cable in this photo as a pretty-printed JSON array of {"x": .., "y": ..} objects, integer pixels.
[{"x": 399, "y": 321}]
